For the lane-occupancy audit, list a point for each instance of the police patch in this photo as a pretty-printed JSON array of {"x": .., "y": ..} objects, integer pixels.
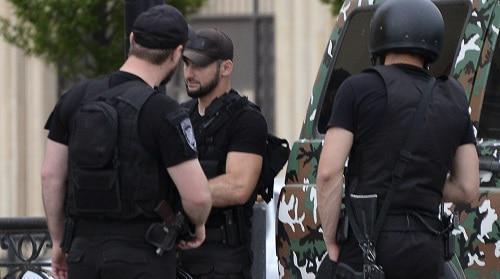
[{"x": 187, "y": 130}]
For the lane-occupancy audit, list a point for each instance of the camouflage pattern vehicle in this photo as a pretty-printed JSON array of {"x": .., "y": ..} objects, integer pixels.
[{"x": 471, "y": 54}]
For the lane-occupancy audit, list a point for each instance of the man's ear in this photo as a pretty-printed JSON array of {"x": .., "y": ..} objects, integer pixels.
[
  {"x": 226, "y": 68},
  {"x": 177, "y": 54},
  {"x": 131, "y": 37}
]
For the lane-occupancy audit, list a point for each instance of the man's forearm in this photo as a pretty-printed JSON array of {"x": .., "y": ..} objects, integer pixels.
[
  {"x": 329, "y": 202},
  {"x": 453, "y": 192},
  {"x": 226, "y": 191},
  {"x": 53, "y": 200},
  {"x": 197, "y": 213}
]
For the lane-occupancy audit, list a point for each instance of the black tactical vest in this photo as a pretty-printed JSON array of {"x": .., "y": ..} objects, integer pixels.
[
  {"x": 372, "y": 161},
  {"x": 111, "y": 175},
  {"x": 212, "y": 139}
]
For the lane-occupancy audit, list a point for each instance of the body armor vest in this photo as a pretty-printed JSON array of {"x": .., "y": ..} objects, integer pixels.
[
  {"x": 212, "y": 140},
  {"x": 111, "y": 175},
  {"x": 372, "y": 160}
]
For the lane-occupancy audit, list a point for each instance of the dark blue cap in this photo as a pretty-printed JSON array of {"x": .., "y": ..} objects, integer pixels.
[{"x": 160, "y": 27}]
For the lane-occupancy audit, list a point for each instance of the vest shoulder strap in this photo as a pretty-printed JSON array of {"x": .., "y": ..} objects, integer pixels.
[{"x": 225, "y": 109}]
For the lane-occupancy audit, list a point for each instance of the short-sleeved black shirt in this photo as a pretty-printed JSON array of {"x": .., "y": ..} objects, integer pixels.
[
  {"x": 380, "y": 133},
  {"x": 159, "y": 136}
]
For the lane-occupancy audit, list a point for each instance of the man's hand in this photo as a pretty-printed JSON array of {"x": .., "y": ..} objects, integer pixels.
[
  {"x": 199, "y": 237},
  {"x": 59, "y": 264}
]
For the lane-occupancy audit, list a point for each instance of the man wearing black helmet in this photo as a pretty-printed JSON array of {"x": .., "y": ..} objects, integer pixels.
[
  {"x": 411, "y": 146},
  {"x": 117, "y": 151}
]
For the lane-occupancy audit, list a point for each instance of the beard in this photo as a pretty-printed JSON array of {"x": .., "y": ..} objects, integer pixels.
[
  {"x": 167, "y": 78},
  {"x": 169, "y": 75},
  {"x": 204, "y": 90}
]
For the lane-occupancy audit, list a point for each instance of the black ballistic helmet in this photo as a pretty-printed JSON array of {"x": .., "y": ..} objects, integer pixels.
[{"x": 414, "y": 26}]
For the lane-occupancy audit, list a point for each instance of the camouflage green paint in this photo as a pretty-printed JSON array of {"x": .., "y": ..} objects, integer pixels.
[
  {"x": 466, "y": 63},
  {"x": 478, "y": 236},
  {"x": 489, "y": 150},
  {"x": 300, "y": 247},
  {"x": 481, "y": 79},
  {"x": 303, "y": 163}
]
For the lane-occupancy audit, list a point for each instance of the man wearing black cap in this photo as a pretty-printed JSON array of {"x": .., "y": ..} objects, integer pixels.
[
  {"x": 411, "y": 146},
  {"x": 117, "y": 149},
  {"x": 231, "y": 136}
]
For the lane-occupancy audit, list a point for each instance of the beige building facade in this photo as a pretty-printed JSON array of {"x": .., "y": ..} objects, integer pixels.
[{"x": 28, "y": 92}]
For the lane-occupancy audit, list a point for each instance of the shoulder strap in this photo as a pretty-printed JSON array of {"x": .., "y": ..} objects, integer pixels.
[
  {"x": 100, "y": 90},
  {"x": 135, "y": 93},
  {"x": 223, "y": 112},
  {"x": 405, "y": 155}
]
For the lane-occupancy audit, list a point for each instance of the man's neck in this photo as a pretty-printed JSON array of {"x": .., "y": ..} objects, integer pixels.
[
  {"x": 403, "y": 58},
  {"x": 151, "y": 74},
  {"x": 206, "y": 100}
]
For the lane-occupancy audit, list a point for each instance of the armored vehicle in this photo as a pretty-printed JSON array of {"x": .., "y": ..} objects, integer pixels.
[{"x": 471, "y": 54}]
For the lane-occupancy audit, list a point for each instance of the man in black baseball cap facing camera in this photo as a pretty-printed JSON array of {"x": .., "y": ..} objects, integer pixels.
[
  {"x": 231, "y": 135},
  {"x": 117, "y": 149}
]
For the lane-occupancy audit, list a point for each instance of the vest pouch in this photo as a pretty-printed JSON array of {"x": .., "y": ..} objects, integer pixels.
[
  {"x": 94, "y": 135},
  {"x": 365, "y": 212},
  {"x": 96, "y": 190}
]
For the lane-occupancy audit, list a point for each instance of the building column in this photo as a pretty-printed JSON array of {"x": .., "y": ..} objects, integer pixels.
[
  {"x": 302, "y": 32},
  {"x": 28, "y": 91}
]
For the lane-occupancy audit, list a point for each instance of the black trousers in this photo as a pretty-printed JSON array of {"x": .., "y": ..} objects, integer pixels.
[
  {"x": 116, "y": 250},
  {"x": 217, "y": 261},
  {"x": 112, "y": 258},
  {"x": 408, "y": 255}
]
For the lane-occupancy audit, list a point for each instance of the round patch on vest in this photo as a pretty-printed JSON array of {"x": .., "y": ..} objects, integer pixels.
[{"x": 187, "y": 130}]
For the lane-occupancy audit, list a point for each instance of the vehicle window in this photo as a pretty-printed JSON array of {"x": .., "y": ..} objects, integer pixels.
[
  {"x": 352, "y": 55},
  {"x": 489, "y": 121}
]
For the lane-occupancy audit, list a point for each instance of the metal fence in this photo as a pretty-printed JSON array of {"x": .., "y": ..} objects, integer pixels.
[{"x": 24, "y": 248}]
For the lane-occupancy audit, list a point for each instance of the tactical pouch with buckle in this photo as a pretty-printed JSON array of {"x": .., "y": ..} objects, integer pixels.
[
  {"x": 69, "y": 231},
  {"x": 362, "y": 210},
  {"x": 342, "y": 228},
  {"x": 164, "y": 236},
  {"x": 449, "y": 223}
]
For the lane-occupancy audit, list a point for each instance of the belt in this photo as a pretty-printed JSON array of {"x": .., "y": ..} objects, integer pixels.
[
  {"x": 216, "y": 235},
  {"x": 412, "y": 222},
  {"x": 132, "y": 228},
  {"x": 220, "y": 235}
]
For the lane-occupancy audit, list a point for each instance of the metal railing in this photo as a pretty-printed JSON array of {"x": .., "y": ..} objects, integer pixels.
[{"x": 24, "y": 248}]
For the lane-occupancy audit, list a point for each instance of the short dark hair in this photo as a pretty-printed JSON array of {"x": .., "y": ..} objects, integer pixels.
[{"x": 154, "y": 56}]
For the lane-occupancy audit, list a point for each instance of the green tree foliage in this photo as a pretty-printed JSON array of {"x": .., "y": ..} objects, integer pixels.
[
  {"x": 335, "y": 5},
  {"x": 81, "y": 37}
]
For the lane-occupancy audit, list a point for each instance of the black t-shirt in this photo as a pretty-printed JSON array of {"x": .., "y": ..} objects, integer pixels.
[
  {"x": 247, "y": 132},
  {"x": 380, "y": 132},
  {"x": 162, "y": 138},
  {"x": 361, "y": 101}
]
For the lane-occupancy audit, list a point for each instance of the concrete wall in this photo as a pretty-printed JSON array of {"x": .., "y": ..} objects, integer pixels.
[
  {"x": 27, "y": 93},
  {"x": 302, "y": 31}
]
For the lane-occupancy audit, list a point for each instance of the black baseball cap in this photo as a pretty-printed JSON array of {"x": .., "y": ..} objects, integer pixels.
[
  {"x": 208, "y": 45},
  {"x": 160, "y": 27}
]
